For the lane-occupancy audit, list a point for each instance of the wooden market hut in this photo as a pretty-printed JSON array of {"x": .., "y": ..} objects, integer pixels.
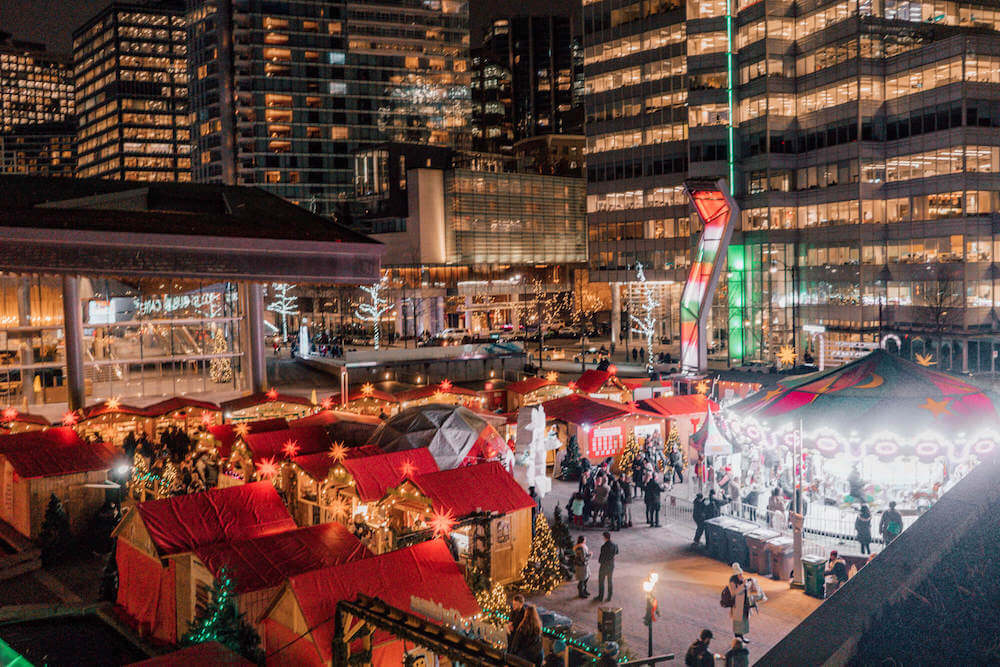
[
  {"x": 224, "y": 436},
  {"x": 265, "y": 453},
  {"x": 491, "y": 510},
  {"x": 156, "y": 541},
  {"x": 266, "y": 405},
  {"x": 349, "y": 428},
  {"x": 185, "y": 413},
  {"x": 110, "y": 421},
  {"x": 313, "y": 501},
  {"x": 443, "y": 393},
  {"x": 299, "y": 624},
  {"x": 34, "y": 465},
  {"x": 602, "y": 384},
  {"x": 532, "y": 391},
  {"x": 13, "y": 420},
  {"x": 366, "y": 400},
  {"x": 686, "y": 413},
  {"x": 601, "y": 427}
]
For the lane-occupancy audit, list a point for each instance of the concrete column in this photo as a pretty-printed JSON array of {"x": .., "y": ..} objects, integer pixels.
[
  {"x": 965, "y": 355},
  {"x": 255, "y": 328},
  {"x": 73, "y": 334},
  {"x": 26, "y": 343},
  {"x": 616, "y": 313}
]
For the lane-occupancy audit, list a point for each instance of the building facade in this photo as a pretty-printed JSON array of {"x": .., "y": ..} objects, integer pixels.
[
  {"x": 130, "y": 71},
  {"x": 36, "y": 109},
  {"x": 282, "y": 95},
  {"x": 860, "y": 139},
  {"x": 526, "y": 70}
]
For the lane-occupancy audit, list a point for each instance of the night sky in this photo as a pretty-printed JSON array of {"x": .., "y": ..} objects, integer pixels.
[{"x": 53, "y": 21}]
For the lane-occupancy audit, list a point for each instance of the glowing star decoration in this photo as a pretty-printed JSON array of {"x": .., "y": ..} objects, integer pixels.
[
  {"x": 290, "y": 448},
  {"x": 337, "y": 452},
  {"x": 437, "y": 396},
  {"x": 327, "y": 404},
  {"x": 937, "y": 408},
  {"x": 925, "y": 359},
  {"x": 786, "y": 355},
  {"x": 272, "y": 394},
  {"x": 445, "y": 385},
  {"x": 242, "y": 430},
  {"x": 367, "y": 389},
  {"x": 613, "y": 369},
  {"x": 339, "y": 508},
  {"x": 572, "y": 385},
  {"x": 70, "y": 418},
  {"x": 702, "y": 387},
  {"x": 442, "y": 523},
  {"x": 267, "y": 468},
  {"x": 9, "y": 414},
  {"x": 552, "y": 376},
  {"x": 407, "y": 469},
  {"x": 206, "y": 419},
  {"x": 113, "y": 403}
]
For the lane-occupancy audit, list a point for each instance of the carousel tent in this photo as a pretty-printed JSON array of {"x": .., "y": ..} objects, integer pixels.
[
  {"x": 454, "y": 435},
  {"x": 709, "y": 439}
]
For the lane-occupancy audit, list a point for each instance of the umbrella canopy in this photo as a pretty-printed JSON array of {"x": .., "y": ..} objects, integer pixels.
[
  {"x": 454, "y": 435},
  {"x": 877, "y": 392}
]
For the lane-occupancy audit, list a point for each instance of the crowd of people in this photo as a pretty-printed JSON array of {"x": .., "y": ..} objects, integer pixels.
[{"x": 194, "y": 469}]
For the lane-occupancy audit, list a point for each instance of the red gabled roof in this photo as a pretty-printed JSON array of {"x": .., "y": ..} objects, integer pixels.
[
  {"x": 318, "y": 465},
  {"x": 268, "y": 444},
  {"x": 18, "y": 417},
  {"x": 679, "y": 405},
  {"x": 260, "y": 397},
  {"x": 592, "y": 380},
  {"x": 327, "y": 417},
  {"x": 98, "y": 409},
  {"x": 262, "y": 562},
  {"x": 528, "y": 385},
  {"x": 373, "y": 475},
  {"x": 206, "y": 653},
  {"x": 178, "y": 403},
  {"x": 425, "y": 570},
  {"x": 53, "y": 452},
  {"x": 184, "y": 523},
  {"x": 225, "y": 434},
  {"x": 484, "y": 487},
  {"x": 355, "y": 394},
  {"x": 580, "y": 409},
  {"x": 431, "y": 389}
]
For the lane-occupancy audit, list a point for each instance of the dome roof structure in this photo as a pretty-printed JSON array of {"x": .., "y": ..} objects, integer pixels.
[{"x": 455, "y": 435}]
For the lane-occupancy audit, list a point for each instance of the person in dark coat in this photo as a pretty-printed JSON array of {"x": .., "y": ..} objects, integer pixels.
[
  {"x": 737, "y": 655},
  {"x": 614, "y": 510},
  {"x": 652, "y": 498},
  {"x": 606, "y": 567},
  {"x": 891, "y": 524},
  {"x": 698, "y": 654},
  {"x": 526, "y": 638},
  {"x": 698, "y": 513},
  {"x": 863, "y": 527}
]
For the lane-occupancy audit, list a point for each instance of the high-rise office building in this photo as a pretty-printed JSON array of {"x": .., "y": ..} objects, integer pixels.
[
  {"x": 36, "y": 109},
  {"x": 130, "y": 65},
  {"x": 527, "y": 67},
  {"x": 861, "y": 140},
  {"x": 282, "y": 94}
]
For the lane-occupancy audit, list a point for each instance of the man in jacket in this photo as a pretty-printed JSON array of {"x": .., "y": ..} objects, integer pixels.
[
  {"x": 698, "y": 654},
  {"x": 606, "y": 567},
  {"x": 698, "y": 514},
  {"x": 652, "y": 498}
]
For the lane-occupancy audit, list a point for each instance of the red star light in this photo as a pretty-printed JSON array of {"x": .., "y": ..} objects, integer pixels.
[
  {"x": 442, "y": 524},
  {"x": 290, "y": 448},
  {"x": 267, "y": 468},
  {"x": 337, "y": 452},
  {"x": 613, "y": 369},
  {"x": 326, "y": 404},
  {"x": 70, "y": 418},
  {"x": 242, "y": 430},
  {"x": 445, "y": 385},
  {"x": 272, "y": 394},
  {"x": 206, "y": 419},
  {"x": 9, "y": 414},
  {"x": 571, "y": 385},
  {"x": 407, "y": 469}
]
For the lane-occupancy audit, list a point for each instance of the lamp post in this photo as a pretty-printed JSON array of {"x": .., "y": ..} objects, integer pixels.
[{"x": 651, "y": 607}]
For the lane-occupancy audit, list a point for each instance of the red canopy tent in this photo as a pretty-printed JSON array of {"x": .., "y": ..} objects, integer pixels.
[{"x": 225, "y": 434}]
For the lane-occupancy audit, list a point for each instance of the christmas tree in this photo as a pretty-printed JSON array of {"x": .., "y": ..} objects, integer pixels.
[
  {"x": 543, "y": 572},
  {"x": 220, "y": 369},
  {"x": 629, "y": 454},
  {"x": 673, "y": 443},
  {"x": 494, "y": 604},
  {"x": 55, "y": 534},
  {"x": 222, "y": 622},
  {"x": 570, "y": 467}
]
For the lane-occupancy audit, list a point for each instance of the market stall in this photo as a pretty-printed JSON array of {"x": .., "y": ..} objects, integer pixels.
[
  {"x": 532, "y": 391},
  {"x": 266, "y": 405},
  {"x": 602, "y": 384},
  {"x": 443, "y": 393},
  {"x": 267, "y": 455},
  {"x": 223, "y": 436},
  {"x": 184, "y": 413},
  {"x": 365, "y": 400},
  {"x": 602, "y": 427},
  {"x": 686, "y": 413},
  {"x": 111, "y": 420},
  {"x": 13, "y": 420}
]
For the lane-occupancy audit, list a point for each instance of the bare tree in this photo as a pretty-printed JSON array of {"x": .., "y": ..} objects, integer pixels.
[
  {"x": 943, "y": 305},
  {"x": 376, "y": 308}
]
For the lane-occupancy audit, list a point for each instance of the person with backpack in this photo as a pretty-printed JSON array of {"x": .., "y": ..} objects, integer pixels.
[
  {"x": 698, "y": 654},
  {"x": 891, "y": 524},
  {"x": 581, "y": 565},
  {"x": 735, "y": 597}
]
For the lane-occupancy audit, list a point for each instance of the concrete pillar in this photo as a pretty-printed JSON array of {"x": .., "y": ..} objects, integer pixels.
[
  {"x": 73, "y": 334},
  {"x": 468, "y": 313},
  {"x": 965, "y": 355},
  {"x": 27, "y": 342},
  {"x": 616, "y": 313},
  {"x": 255, "y": 329}
]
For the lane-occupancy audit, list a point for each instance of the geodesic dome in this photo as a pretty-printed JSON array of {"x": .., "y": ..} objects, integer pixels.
[{"x": 455, "y": 435}]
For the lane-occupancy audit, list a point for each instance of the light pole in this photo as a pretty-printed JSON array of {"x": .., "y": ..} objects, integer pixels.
[{"x": 651, "y": 607}]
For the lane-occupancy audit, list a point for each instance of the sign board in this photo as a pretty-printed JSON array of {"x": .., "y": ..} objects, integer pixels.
[
  {"x": 844, "y": 351},
  {"x": 605, "y": 441}
]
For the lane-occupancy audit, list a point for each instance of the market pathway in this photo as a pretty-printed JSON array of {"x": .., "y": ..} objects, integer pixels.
[{"x": 688, "y": 589}]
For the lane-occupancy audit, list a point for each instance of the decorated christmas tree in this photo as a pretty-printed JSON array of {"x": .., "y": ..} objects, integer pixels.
[
  {"x": 570, "y": 467},
  {"x": 673, "y": 443},
  {"x": 543, "y": 572},
  {"x": 629, "y": 454},
  {"x": 55, "y": 535},
  {"x": 220, "y": 369},
  {"x": 494, "y": 604},
  {"x": 222, "y": 622}
]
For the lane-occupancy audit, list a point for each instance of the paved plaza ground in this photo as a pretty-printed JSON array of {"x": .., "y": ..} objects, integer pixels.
[{"x": 688, "y": 588}]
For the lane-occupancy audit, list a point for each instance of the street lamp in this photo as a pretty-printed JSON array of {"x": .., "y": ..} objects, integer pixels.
[{"x": 651, "y": 606}]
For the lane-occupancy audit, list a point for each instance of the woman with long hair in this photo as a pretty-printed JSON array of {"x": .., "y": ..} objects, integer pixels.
[{"x": 526, "y": 640}]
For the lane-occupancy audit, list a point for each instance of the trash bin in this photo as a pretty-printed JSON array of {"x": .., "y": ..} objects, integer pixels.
[
  {"x": 812, "y": 571},
  {"x": 757, "y": 540},
  {"x": 715, "y": 536},
  {"x": 736, "y": 536},
  {"x": 781, "y": 556}
]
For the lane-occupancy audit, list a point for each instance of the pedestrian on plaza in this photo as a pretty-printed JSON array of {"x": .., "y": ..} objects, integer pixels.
[
  {"x": 600, "y": 502},
  {"x": 714, "y": 505},
  {"x": 517, "y": 612},
  {"x": 581, "y": 563},
  {"x": 737, "y": 655},
  {"x": 615, "y": 505},
  {"x": 891, "y": 524},
  {"x": 612, "y": 348},
  {"x": 698, "y": 654},
  {"x": 863, "y": 526},
  {"x": 635, "y": 354},
  {"x": 776, "y": 510},
  {"x": 651, "y": 497},
  {"x": 676, "y": 466},
  {"x": 638, "y": 471},
  {"x": 526, "y": 639},
  {"x": 606, "y": 567},
  {"x": 834, "y": 575},
  {"x": 626, "y": 501},
  {"x": 642, "y": 354},
  {"x": 803, "y": 506},
  {"x": 699, "y": 513},
  {"x": 751, "y": 500},
  {"x": 739, "y": 612}
]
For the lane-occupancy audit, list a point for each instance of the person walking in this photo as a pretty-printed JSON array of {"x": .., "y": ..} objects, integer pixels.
[
  {"x": 652, "y": 498},
  {"x": 891, "y": 524},
  {"x": 676, "y": 466},
  {"x": 834, "y": 575},
  {"x": 581, "y": 563},
  {"x": 737, "y": 655},
  {"x": 739, "y": 611},
  {"x": 863, "y": 527},
  {"x": 606, "y": 567},
  {"x": 698, "y": 654},
  {"x": 615, "y": 505},
  {"x": 699, "y": 514},
  {"x": 776, "y": 510}
]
